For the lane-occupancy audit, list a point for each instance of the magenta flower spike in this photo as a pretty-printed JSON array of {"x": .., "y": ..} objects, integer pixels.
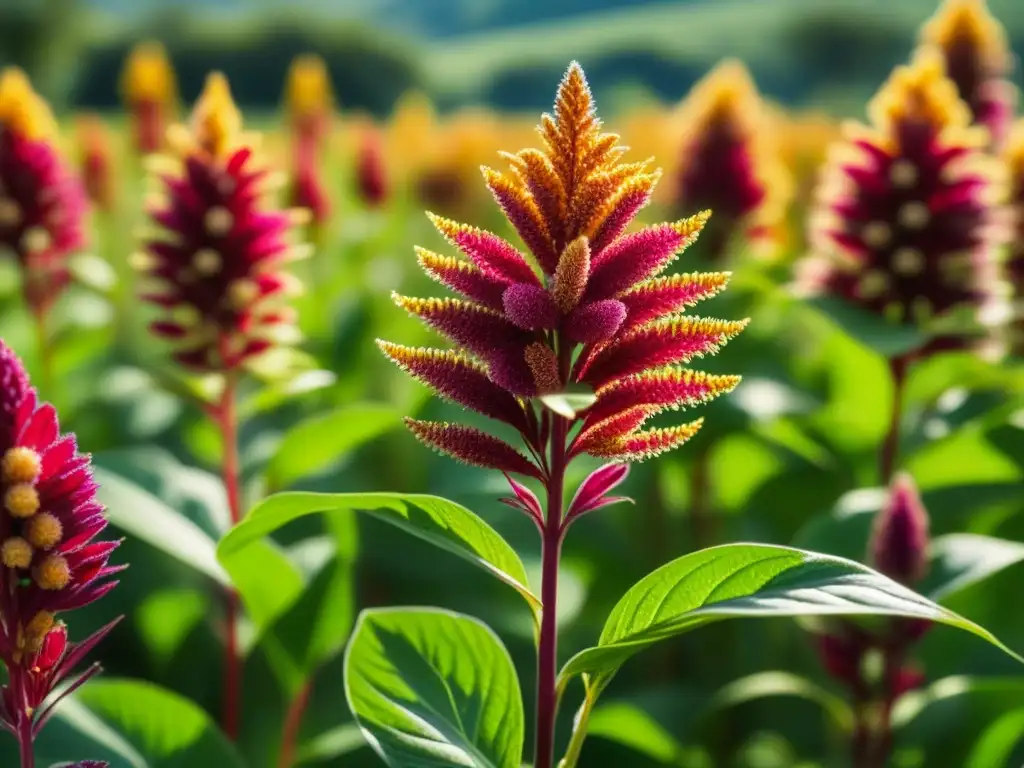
[
  {"x": 219, "y": 259},
  {"x": 908, "y": 222},
  {"x": 42, "y": 203},
  {"x": 899, "y": 540},
  {"x": 50, "y": 561},
  {"x": 585, "y": 308},
  {"x": 978, "y": 60}
]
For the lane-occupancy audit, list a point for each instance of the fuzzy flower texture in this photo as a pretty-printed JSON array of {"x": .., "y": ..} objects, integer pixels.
[
  {"x": 219, "y": 258},
  {"x": 49, "y": 518},
  {"x": 908, "y": 224},
  {"x": 586, "y": 307},
  {"x": 42, "y": 203}
]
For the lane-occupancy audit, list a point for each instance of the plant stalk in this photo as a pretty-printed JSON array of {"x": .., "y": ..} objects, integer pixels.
[
  {"x": 227, "y": 419},
  {"x": 293, "y": 723},
  {"x": 547, "y": 652},
  {"x": 25, "y": 742},
  {"x": 890, "y": 448}
]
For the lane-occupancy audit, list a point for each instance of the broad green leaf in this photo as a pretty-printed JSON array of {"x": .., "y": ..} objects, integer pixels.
[
  {"x": 958, "y": 560},
  {"x": 762, "y": 685},
  {"x": 443, "y": 523},
  {"x": 315, "y": 627},
  {"x": 130, "y": 724},
  {"x": 314, "y": 445},
  {"x": 147, "y": 518},
  {"x": 430, "y": 688},
  {"x": 267, "y": 581},
  {"x": 998, "y": 743},
  {"x": 630, "y": 726},
  {"x": 747, "y": 580},
  {"x": 167, "y": 729}
]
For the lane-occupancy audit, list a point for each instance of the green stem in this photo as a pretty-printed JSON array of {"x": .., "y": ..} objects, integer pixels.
[{"x": 579, "y": 733}]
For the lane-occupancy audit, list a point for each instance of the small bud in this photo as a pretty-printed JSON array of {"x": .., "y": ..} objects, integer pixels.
[
  {"x": 572, "y": 274},
  {"x": 22, "y": 500},
  {"x": 530, "y": 307},
  {"x": 36, "y": 631},
  {"x": 206, "y": 262},
  {"x": 899, "y": 539},
  {"x": 913, "y": 215},
  {"x": 53, "y": 573},
  {"x": 903, "y": 174},
  {"x": 44, "y": 531},
  {"x": 21, "y": 465},
  {"x": 16, "y": 553},
  {"x": 10, "y": 213},
  {"x": 543, "y": 364},
  {"x": 218, "y": 221}
]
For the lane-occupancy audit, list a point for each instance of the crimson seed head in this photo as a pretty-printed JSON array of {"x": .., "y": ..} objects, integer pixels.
[
  {"x": 308, "y": 189},
  {"x": 1014, "y": 158},
  {"x": 978, "y": 59},
  {"x": 907, "y": 224},
  {"x": 899, "y": 539},
  {"x": 96, "y": 161},
  {"x": 219, "y": 261},
  {"x": 598, "y": 315},
  {"x": 50, "y": 561},
  {"x": 730, "y": 163},
  {"x": 42, "y": 204}
]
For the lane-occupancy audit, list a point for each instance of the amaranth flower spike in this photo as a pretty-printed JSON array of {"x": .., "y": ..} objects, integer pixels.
[
  {"x": 978, "y": 59},
  {"x": 908, "y": 222},
  {"x": 586, "y": 306},
  {"x": 42, "y": 203},
  {"x": 219, "y": 258},
  {"x": 148, "y": 87},
  {"x": 730, "y": 162},
  {"x": 50, "y": 563},
  {"x": 1013, "y": 156}
]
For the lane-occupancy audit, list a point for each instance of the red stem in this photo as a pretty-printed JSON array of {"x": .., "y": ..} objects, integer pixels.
[
  {"x": 227, "y": 420},
  {"x": 292, "y": 724},
  {"x": 45, "y": 355},
  {"x": 890, "y": 448},
  {"x": 552, "y": 534},
  {"x": 25, "y": 739}
]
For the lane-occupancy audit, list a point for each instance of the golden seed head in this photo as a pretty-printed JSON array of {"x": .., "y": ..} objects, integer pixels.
[
  {"x": 903, "y": 174},
  {"x": 22, "y": 500},
  {"x": 53, "y": 573},
  {"x": 914, "y": 215},
  {"x": 10, "y": 213},
  {"x": 543, "y": 363},
  {"x": 908, "y": 261},
  {"x": 21, "y": 465},
  {"x": 44, "y": 531},
  {"x": 16, "y": 553},
  {"x": 218, "y": 221},
  {"x": 36, "y": 631},
  {"x": 242, "y": 293},
  {"x": 35, "y": 240},
  {"x": 206, "y": 262},
  {"x": 571, "y": 274},
  {"x": 876, "y": 234}
]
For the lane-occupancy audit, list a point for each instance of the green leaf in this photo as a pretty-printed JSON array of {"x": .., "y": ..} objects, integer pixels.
[
  {"x": 958, "y": 560},
  {"x": 630, "y": 726},
  {"x": 274, "y": 396},
  {"x": 148, "y": 519},
  {"x": 871, "y": 330},
  {"x": 314, "y": 445},
  {"x": 443, "y": 523},
  {"x": 130, "y": 724},
  {"x": 747, "y": 580},
  {"x": 166, "y": 618},
  {"x": 332, "y": 745},
  {"x": 779, "y": 683},
  {"x": 998, "y": 743},
  {"x": 431, "y": 688}
]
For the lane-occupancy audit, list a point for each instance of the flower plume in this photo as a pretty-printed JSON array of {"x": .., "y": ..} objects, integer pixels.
[
  {"x": 42, "y": 203},
  {"x": 730, "y": 162},
  {"x": 584, "y": 306},
  {"x": 907, "y": 222},
  {"x": 148, "y": 87},
  {"x": 1013, "y": 156},
  {"x": 978, "y": 60},
  {"x": 49, "y": 517},
  {"x": 220, "y": 256}
]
